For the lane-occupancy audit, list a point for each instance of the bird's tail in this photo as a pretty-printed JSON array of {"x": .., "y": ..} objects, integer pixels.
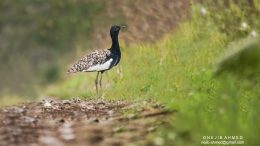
[{"x": 72, "y": 70}]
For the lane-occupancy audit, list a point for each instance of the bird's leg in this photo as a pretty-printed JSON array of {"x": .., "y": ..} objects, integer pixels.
[
  {"x": 96, "y": 83},
  {"x": 100, "y": 83}
]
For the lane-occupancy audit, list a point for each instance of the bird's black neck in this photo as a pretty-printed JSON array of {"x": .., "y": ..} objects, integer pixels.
[
  {"x": 115, "y": 49},
  {"x": 115, "y": 45}
]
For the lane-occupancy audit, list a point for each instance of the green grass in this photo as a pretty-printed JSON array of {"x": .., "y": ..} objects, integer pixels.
[
  {"x": 178, "y": 71},
  {"x": 9, "y": 100}
]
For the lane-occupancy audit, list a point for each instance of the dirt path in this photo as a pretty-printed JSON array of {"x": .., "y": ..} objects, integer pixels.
[{"x": 80, "y": 122}]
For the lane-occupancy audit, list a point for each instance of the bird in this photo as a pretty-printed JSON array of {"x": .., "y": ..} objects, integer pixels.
[{"x": 100, "y": 60}]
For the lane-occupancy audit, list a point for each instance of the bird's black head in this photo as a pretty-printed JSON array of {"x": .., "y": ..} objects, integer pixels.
[{"x": 114, "y": 31}]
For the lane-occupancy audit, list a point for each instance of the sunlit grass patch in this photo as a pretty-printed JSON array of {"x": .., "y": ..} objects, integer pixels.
[
  {"x": 7, "y": 100},
  {"x": 79, "y": 85}
]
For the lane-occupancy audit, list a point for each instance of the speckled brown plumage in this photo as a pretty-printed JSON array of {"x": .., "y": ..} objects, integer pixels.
[{"x": 94, "y": 58}]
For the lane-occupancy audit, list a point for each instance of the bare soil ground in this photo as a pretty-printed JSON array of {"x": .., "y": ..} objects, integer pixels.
[{"x": 80, "y": 122}]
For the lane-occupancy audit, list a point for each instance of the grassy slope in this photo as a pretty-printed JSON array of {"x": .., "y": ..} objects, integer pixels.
[{"x": 178, "y": 72}]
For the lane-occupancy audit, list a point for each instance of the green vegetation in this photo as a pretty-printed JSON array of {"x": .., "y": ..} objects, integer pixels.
[
  {"x": 179, "y": 71},
  {"x": 37, "y": 36},
  {"x": 11, "y": 100}
]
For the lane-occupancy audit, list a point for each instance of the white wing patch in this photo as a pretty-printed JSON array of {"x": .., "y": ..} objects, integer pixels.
[{"x": 100, "y": 67}]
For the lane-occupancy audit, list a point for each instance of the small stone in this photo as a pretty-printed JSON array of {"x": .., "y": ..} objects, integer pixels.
[
  {"x": 47, "y": 104},
  {"x": 66, "y": 102},
  {"x": 101, "y": 102},
  {"x": 68, "y": 137},
  {"x": 49, "y": 140},
  {"x": 19, "y": 110},
  {"x": 67, "y": 132},
  {"x": 111, "y": 112}
]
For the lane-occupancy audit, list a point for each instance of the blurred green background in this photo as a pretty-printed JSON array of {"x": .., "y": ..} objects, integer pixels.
[
  {"x": 199, "y": 57},
  {"x": 37, "y": 36}
]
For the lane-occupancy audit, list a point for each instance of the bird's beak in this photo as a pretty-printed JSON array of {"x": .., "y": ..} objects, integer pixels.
[{"x": 123, "y": 26}]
